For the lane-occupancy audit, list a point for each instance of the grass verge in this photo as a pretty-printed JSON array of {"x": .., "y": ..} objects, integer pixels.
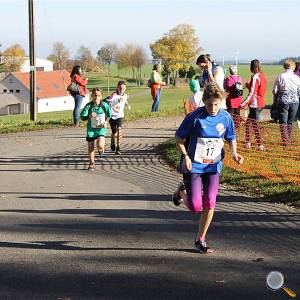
[{"x": 257, "y": 186}]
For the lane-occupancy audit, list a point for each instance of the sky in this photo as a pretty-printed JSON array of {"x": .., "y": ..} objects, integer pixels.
[{"x": 266, "y": 30}]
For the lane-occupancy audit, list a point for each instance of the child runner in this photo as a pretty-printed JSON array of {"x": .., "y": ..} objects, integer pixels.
[
  {"x": 97, "y": 113},
  {"x": 117, "y": 102},
  {"x": 207, "y": 128}
]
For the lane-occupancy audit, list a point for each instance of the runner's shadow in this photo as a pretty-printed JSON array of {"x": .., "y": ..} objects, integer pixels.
[{"x": 61, "y": 245}]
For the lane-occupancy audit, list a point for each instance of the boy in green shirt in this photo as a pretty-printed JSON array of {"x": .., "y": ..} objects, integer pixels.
[{"x": 97, "y": 113}]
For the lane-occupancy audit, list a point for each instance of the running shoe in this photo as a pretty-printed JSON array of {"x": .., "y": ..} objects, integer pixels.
[
  {"x": 92, "y": 166},
  {"x": 202, "y": 247},
  {"x": 118, "y": 151},
  {"x": 113, "y": 147},
  {"x": 177, "y": 200}
]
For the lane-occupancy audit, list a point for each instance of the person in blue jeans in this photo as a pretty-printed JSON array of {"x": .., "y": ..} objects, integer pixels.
[
  {"x": 286, "y": 93},
  {"x": 156, "y": 86},
  {"x": 76, "y": 76}
]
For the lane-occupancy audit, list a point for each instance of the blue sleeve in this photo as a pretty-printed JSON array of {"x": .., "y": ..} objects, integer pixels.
[
  {"x": 230, "y": 131},
  {"x": 186, "y": 127}
]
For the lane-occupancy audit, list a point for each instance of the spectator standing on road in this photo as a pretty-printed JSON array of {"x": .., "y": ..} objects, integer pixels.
[
  {"x": 76, "y": 76},
  {"x": 286, "y": 93},
  {"x": 207, "y": 128},
  {"x": 234, "y": 97},
  {"x": 117, "y": 102},
  {"x": 156, "y": 86},
  {"x": 97, "y": 114},
  {"x": 211, "y": 72},
  {"x": 256, "y": 102}
]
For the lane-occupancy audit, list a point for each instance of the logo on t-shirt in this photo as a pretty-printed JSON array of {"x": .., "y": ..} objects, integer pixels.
[{"x": 220, "y": 128}]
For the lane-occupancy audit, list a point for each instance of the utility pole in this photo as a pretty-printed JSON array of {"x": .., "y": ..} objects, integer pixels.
[{"x": 33, "y": 103}]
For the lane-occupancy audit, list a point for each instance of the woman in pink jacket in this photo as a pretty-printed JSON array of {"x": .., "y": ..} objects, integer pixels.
[{"x": 235, "y": 95}]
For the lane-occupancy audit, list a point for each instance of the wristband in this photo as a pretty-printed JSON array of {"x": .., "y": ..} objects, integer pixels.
[{"x": 183, "y": 155}]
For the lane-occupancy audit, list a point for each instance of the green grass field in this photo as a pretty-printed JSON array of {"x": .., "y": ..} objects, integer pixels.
[{"x": 140, "y": 98}]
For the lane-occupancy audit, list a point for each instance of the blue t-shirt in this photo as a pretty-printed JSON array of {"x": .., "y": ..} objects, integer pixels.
[{"x": 207, "y": 134}]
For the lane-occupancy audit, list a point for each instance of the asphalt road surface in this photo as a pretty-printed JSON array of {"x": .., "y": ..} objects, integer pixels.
[{"x": 69, "y": 233}]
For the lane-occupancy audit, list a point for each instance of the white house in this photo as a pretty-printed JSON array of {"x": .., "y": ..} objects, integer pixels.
[
  {"x": 40, "y": 64},
  {"x": 51, "y": 88}
]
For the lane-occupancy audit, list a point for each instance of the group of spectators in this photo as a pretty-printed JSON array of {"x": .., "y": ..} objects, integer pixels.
[{"x": 200, "y": 137}]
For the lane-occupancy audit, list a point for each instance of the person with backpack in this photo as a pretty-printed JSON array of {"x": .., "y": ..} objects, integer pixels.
[
  {"x": 211, "y": 72},
  {"x": 76, "y": 77},
  {"x": 97, "y": 114},
  {"x": 233, "y": 85},
  {"x": 201, "y": 163},
  {"x": 117, "y": 101},
  {"x": 256, "y": 102}
]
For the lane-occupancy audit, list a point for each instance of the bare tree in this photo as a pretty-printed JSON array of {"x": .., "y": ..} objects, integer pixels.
[
  {"x": 60, "y": 56},
  {"x": 106, "y": 55},
  {"x": 86, "y": 59},
  {"x": 139, "y": 59}
]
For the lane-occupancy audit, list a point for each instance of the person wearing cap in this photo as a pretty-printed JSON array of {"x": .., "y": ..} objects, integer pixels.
[
  {"x": 97, "y": 114},
  {"x": 233, "y": 100},
  {"x": 195, "y": 100}
]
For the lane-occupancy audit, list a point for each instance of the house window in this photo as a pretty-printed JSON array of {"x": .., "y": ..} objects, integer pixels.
[
  {"x": 10, "y": 80},
  {"x": 11, "y": 91},
  {"x": 17, "y": 91},
  {"x": 65, "y": 102},
  {"x": 47, "y": 103},
  {"x": 4, "y": 91}
]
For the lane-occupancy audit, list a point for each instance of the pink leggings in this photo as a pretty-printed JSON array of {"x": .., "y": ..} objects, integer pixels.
[{"x": 201, "y": 190}]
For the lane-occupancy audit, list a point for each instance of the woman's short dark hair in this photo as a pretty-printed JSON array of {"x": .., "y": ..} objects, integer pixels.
[
  {"x": 121, "y": 82},
  {"x": 255, "y": 66},
  {"x": 203, "y": 58},
  {"x": 75, "y": 70}
]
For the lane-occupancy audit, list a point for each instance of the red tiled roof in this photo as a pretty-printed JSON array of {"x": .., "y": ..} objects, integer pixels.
[{"x": 48, "y": 84}]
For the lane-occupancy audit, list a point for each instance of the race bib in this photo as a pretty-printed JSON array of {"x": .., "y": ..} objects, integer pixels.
[
  {"x": 208, "y": 150},
  {"x": 98, "y": 121}
]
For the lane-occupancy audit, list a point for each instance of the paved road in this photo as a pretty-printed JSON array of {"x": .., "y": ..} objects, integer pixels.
[{"x": 67, "y": 233}]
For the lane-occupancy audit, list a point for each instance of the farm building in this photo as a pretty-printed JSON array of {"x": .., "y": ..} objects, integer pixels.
[{"x": 51, "y": 92}]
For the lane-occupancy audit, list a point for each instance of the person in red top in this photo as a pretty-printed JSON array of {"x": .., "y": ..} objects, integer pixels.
[
  {"x": 256, "y": 102},
  {"x": 233, "y": 100},
  {"x": 76, "y": 76}
]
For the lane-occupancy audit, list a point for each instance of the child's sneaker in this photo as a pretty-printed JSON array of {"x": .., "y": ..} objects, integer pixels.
[
  {"x": 118, "y": 151},
  {"x": 177, "y": 200},
  {"x": 202, "y": 247},
  {"x": 92, "y": 166}
]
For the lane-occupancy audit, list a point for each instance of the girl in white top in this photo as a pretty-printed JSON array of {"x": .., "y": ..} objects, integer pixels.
[{"x": 117, "y": 101}]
